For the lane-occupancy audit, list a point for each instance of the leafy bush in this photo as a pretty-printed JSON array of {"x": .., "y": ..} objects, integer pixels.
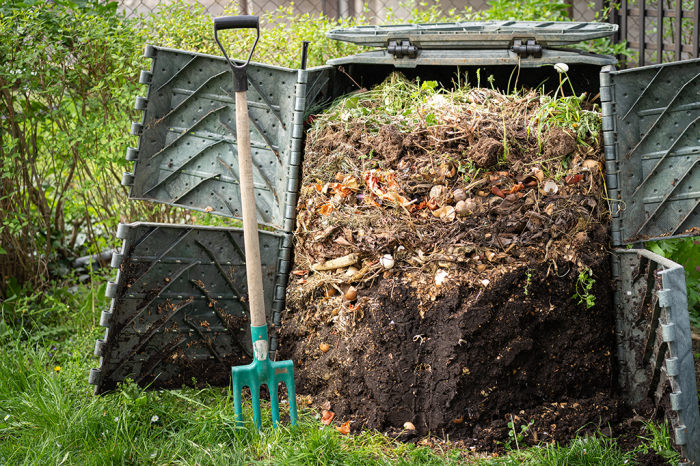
[
  {"x": 66, "y": 89},
  {"x": 189, "y": 27},
  {"x": 686, "y": 252}
]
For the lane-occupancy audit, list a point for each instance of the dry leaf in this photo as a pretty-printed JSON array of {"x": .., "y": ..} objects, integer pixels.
[
  {"x": 497, "y": 191},
  {"x": 208, "y": 209},
  {"x": 345, "y": 428},
  {"x": 549, "y": 209},
  {"x": 390, "y": 191},
  {"x": 327, "y": 417}
]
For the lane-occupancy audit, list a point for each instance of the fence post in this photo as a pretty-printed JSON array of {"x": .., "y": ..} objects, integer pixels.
[
  {"x": 570, "y": 9},
  {"x": 613, "y": 7},
  {"x": 696, "y": 25},
  {"x": 679, "y": 30},
  {"x": 660, "y": 32},
  {"x": 330, "y": 8},
  {"x": 642, "y": 32}
]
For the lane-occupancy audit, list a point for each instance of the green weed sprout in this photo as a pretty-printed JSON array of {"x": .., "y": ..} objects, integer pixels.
[
  {"x": 528, "y": 274},
  {"x": 584, "y": 284}
]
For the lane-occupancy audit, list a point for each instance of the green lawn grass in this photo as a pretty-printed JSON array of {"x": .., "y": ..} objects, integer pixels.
[{"x": 49, "y": 416}]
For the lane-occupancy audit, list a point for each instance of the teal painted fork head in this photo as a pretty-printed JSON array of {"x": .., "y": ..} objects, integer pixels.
[{"x": 260, "y": 372}]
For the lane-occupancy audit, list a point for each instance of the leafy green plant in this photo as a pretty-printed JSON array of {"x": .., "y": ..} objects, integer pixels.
[
  {"x": 518, "y": 436},
  {"x": 67, "y": 86},
  {"x": 190, "y": 27},
  {"x": 686, "y": 252},
  {"x": 584, "y": 284},
  {"x": 132, "y": 394},
  {"x": 527, "y": 10},
  {"x": 658, "y": 439},
  {"x": 528, "y": 274}
]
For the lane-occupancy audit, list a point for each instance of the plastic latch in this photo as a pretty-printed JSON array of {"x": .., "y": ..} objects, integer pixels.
[
  {"x": 525, "y": 49},
  {"x": 401, "y": 49}
]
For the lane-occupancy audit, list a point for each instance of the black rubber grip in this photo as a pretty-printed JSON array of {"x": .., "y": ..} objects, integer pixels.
[{"x": 236, "y": 22}]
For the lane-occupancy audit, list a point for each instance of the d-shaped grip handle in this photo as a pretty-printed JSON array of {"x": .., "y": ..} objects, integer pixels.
[
  {"x": 240, "y": 79},
  {"x": 236, "y": 22}
]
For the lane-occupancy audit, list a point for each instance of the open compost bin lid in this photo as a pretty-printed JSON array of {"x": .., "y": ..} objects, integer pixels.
[{"x": 528, "y": 43}]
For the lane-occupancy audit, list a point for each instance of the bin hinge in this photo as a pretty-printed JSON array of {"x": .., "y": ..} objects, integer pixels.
[
  {"x": 526, "y": 49},
  {"x": 402, "y": 48}
]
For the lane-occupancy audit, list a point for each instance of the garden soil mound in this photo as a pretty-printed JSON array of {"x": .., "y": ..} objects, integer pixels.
[{"x": 452, "y": 266}]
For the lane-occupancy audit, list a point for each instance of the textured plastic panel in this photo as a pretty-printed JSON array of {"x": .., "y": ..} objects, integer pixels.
[
  {"x": 652, "y": 150},
  {"x": 469, "y": 35},
  {"x": 186, "y": 154},
  {"x": 179, "y": 306},
  {"x": 475, "y": 58},
  {"x": 654, "y": 341}
]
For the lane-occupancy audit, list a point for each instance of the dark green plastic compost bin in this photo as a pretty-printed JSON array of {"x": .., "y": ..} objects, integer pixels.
[{"x": 179, "y": 307}]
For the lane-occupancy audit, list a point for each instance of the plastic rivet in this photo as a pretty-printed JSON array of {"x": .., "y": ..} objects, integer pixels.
[
  {"x": 104, "y": 318},
  {"x": 149, "y": 52},
  {"x": 145, "y": 77},
  {"x": 668, "y": 332},
  {"x": 676, "y": 401},
  {"x": 127, "y": 179},
  {"x": 681, "y": 432},
  {"x": 673, "y": 367},
  {"x": 122, "y": 230},
  {"x": 111, "y": 290},
  {"x": 99, "y": 344},
  {"x": 94, "y": 377},
  {"x": 132, "y": 154},
  {"x": 141, "y": 103},
  {"x": 136, "y": 129}
]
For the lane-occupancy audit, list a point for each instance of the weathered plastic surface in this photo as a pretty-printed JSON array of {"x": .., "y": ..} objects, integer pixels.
[
  {"x": 475, "y": 58},
  {"x": 179, "y": 307},
  {"x": 475, "y": 34},
  {"x": 186, "y": 155},
  {"x": 652, "y": 150},
  {"x": 654, "y": 341}
]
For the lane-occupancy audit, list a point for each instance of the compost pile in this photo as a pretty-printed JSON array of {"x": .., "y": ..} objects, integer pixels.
[{"x": 450, "y": 265}]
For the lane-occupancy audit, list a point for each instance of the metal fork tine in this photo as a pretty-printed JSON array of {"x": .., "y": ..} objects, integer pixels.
[
  {"x": 255, "y": 395},
  {"x": 237, "y": 405},
  {"x": 292, "y": 396},
  {"x": 274, "y": 402}
]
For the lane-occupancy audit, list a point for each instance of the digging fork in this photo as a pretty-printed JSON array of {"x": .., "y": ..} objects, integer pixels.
[{"x": 261, "y": 371}]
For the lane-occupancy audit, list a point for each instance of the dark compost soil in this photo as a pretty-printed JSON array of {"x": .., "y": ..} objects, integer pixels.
[{"x": 476, "y": 359}]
